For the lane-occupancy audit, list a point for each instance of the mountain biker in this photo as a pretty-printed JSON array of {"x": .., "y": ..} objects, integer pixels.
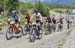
[
  {"x": 15, "y": 22},
  {"x": 15, "y": 17},
  {"x": 49, "y": 19},
  {"x": 37, "y": 16},
  {"x": 28, "y": 19},
  {"x": 69, "y": 21},
  {"x": 61, "y": 23},
  {"x": 54, "y": 20},
  {"x": 61, "y": 20}
]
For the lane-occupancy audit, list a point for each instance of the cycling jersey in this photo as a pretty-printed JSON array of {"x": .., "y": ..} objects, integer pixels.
[
  {"x": 38, "y": 17},
  {"x": 28, "y": 19},
  {"x": 49, "y": 20},
  {"x": 15, "y": 18},
  {"x": 61, "y": 21},
  {"x": 54, "y": 20}
]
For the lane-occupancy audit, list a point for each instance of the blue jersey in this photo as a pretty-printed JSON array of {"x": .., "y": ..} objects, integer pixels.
[
  {"x": 54, "y": 21},
  {"x": 15, "y": 17}
]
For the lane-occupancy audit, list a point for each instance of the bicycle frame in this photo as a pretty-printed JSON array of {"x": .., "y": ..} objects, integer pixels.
[{"x": 15, "y": 28}]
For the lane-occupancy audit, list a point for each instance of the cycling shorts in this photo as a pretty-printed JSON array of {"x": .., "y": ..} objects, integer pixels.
[
  {"x": 38, "y": 21},
  {"x": 16, "y": 21}
]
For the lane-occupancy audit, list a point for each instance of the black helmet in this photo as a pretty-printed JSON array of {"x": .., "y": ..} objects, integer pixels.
[{"x": 36, "y": 11}]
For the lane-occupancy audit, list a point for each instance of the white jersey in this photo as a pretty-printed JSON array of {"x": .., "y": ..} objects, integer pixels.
[{"x": 37, "y": 16}]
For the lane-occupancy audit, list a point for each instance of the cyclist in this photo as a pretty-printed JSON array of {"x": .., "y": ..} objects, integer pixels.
[
  {"x": 28, "y": 19},
  {"x": 15, "y": 22},
  {"x": 61, "y": 23},
  {"x": 49, "y": 24},
  {"x": 49, "y": 20},
  {"x": 54, "y": 20},
  {"x": 16, "y": 18},
  {"x": 69, "y": 21},
  {"x": 38, "y": 16}
]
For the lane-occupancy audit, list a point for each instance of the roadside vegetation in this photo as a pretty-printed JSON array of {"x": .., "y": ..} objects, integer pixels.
[{"x": 22, "y": 8}]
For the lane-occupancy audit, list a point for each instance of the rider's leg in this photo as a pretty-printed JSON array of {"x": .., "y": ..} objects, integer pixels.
[
  {"x": 16, "y": 26},
  {"x": 17, "y": 23}
]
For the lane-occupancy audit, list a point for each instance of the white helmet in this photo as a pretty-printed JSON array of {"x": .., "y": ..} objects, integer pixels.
[{"x": 13, "y": 11}]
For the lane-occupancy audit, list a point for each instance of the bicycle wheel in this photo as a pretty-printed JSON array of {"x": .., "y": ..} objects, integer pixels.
[
  {"x": 25, "y": 30},
  {"x": 32, "y": 35},
  {"x": 9, "y": 33},
  {"x": 20, "y": 31},
  {"x": 40, "y": 34},
  {"x": 49, "y": 29}
]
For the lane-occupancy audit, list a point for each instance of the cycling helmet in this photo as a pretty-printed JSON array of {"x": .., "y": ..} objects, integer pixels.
[
  {"x": 36, "y": 11},
  {"x": 14, "y": 11}
]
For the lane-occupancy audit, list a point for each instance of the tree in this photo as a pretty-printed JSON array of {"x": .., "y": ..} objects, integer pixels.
[
  {"x": 68, "y": 11},
  {"x": 12, "y": 5},
  {"x": 44, "y": 10},
  {"x": 25, "y": 7},
  {"x": 3, "y": 5}
]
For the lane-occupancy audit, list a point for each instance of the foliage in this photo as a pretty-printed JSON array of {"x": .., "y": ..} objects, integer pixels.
[
  {"x": 59, "y": 11},
  {"x": 12, "y": 5},
  {"x": 68, "y": 11},
  {"x": 52, "y": 6},
  {"x": 42, "y": 9},
  {"x": 24, "y": 7}
]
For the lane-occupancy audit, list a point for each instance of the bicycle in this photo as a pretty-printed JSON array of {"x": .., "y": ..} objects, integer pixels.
[
  {"x": 35, "y": 32},
  {"x": 48, "y": 28},
  {"x": 27, "y": 28},
  {"x": 60, "y": 27},
  {"x": 13, "y": 31},
  {"x": 54, "y": 27}
]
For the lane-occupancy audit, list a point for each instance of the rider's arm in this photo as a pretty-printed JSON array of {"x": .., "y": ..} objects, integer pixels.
[
  {"x": 19, "y": 19},
  {"x": 41, "y": 18},
  {"x": 33, "y": 17},
  {"x": 30, "y": 18}
]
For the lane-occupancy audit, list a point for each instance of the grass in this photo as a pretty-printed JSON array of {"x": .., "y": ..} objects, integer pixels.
[{"x": 3, "y": 18}]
